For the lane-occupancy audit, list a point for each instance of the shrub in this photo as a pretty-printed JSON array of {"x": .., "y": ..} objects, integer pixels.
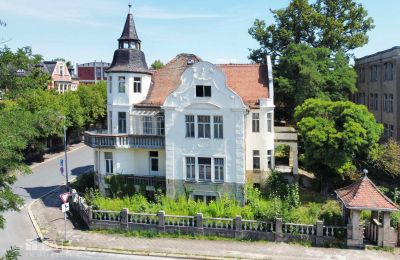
[
  {"x": 83, "y": 181},
  {"x": 395, "y": 219}
]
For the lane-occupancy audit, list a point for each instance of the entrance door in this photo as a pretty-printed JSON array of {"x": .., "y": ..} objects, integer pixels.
[{"x": 154, "y": 163}]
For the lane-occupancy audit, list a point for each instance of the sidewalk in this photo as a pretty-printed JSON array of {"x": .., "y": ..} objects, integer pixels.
[{"x": 51, "y": 222}]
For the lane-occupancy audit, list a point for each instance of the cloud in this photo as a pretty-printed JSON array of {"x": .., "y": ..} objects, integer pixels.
[{"x": 147, "y": 12}]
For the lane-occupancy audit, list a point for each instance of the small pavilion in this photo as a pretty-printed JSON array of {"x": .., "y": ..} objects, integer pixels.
[{"x": 364, "y": 195}]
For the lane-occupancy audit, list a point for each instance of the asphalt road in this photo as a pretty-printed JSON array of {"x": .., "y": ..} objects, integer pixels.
[{"x": 46, "y": 176}]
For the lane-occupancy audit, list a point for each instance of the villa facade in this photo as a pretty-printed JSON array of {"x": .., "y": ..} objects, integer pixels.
[{"x": 200, "y": 129}]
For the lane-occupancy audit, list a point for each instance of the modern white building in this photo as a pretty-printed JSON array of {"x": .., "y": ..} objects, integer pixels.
[{"x": 192, "y": 127}]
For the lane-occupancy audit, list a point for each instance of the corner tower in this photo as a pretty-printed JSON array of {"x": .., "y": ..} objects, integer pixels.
[{"x": 128, "y": 79}]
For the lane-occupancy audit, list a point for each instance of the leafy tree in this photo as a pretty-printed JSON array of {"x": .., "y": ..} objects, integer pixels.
[
  {"x": 157, "y": 64},
  {"x": 336, "y": 137},
  {"x": 93, "y": 99},
  {"x": 20, "y": 70},
  {"x": 334, "y": 24},
  {"x": 387, "y": 158},
  {"x": 72, "y": 109},
  {"x": 11, "y": 254},
  {"x": 304, "y": 72}
]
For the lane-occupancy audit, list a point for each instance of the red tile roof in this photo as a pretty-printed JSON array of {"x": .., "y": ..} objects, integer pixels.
[
  {"x": 363, "y": 194},
  {"x": 249, "y": 81}
]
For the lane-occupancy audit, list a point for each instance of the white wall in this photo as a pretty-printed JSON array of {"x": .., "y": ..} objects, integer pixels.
[
  {"x": 123, "y": 102},
  {"x": 224, "y": 102}
]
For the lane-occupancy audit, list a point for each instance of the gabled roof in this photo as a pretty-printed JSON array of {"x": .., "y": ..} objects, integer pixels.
[
  {"x": 249, "y": 81},
  {"x": 129, "y": 32},
  {"x": 364, "y": 195},
  {"x": 50, "y": 66}
]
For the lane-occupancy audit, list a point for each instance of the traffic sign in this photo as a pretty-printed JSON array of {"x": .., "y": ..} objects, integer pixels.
[
  {"x": 65, "y": 207},
  {"x": 64, "y": 197}
]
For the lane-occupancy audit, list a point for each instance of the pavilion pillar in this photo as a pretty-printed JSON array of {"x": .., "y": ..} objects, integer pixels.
[
  {"x": 356, "y": 237},
  {"x": 388, "y": 234}
]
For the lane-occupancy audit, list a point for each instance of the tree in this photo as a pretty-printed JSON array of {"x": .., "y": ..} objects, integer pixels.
[
  {"x": 157, "y": 64},
  {"x": 20, "y": 70},
  {"x": 304, "y": 72},
  {"x": 93, "y": 99},
  {"x": 334, "y": 24},
  {"x": 336, "y": 137},
  {"x": 386, "y": 158}
]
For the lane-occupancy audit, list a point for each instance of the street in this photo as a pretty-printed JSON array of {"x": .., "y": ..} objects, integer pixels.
[{"x": 46, "y": 176}]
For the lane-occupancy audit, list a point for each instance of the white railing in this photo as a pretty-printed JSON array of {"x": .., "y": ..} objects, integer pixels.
[
  {"x": 143, "y": 218},
  {"x": 179, "y": 221},
  {"x": 300, "y": 229},
  {"x": 254, "y": 225},
  {"x": 114, "y": 216},
  {"x": 221, "y": 223}
]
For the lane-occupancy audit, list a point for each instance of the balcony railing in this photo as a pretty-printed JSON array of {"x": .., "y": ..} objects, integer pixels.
[{"x": 100, "y": 140}]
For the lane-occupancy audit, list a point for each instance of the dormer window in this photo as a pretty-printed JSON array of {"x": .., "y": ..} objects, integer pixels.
[
  {"x": 203, "y": 91},
  {"x": 137, "y": 85},
  {"x": 61, "y": 70}
]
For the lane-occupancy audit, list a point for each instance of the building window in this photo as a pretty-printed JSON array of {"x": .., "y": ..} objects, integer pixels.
[
  {"x": 110, "y": 123},
  {"x": 204, "y": 168},
  {"x": 98, "y": 73},
  {"x": 137, "y": 85},
  {"x": 121, "y": 84},
  {"x": 269, "y": 122},
  {"x": 388, "y": 71},
  {"x": 160, "y": 125},
  {"x": 189, "y": 121},
  {"x": 219, "y": 169},
  {"x": 147, "y": 125},
  {"x": 121, "y": 122},
  {"x": 388, "y": 131},
  {"x": 203, "y": 91},
  {"x": 190, "y": 168},
  {"x": 203, "y": 126},
  {"x": 256, "y": 122},
  {"x": 109, "y": 162},
  {"x": 256, "y": 160},
  {"x": 269, "y": 159},
  {"x": 391, "y": 131},
  {"x": 376, "y": 101},
  {"x": 388, "y": 103},
  {"x": 153, "y": 161},
  {"x": 371, "y": 101},
  {"x": 218, "y": 127},
  {"x": 374, "y": 73},
  {"x": 61, "y": 70},
  {"x": 110, "y": 83}
]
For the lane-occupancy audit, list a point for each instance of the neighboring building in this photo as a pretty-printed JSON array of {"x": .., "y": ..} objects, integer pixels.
[
  {"x": 378, "y": 86},
  {"x": 61, "y": 79},
  {"x": 90, "y": 73},
  {"x": 199, "y": 129}
]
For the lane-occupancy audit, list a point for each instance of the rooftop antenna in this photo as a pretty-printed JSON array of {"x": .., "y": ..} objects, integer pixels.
[{"x": 130, "y": 5}]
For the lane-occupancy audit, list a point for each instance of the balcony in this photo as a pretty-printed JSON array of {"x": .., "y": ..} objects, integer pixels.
[{"x": 97, "y": 139}]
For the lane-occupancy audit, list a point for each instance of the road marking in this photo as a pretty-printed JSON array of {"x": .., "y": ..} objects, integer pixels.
[{"x": 56, "y": 157}]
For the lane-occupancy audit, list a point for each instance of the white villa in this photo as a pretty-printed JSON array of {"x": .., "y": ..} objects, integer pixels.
[{"x": 195, "y": 127}]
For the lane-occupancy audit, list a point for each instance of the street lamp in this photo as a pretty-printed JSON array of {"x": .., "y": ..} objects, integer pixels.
[{"x": 65, "y": 152}]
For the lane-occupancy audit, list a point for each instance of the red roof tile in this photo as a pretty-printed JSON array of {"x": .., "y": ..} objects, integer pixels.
[
  {"x": 363, "y": 194},
  {"x": 249, "y": 81}
]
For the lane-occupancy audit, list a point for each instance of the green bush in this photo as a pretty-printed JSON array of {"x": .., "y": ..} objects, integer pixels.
[
  {"x": 83, "y": 181},
  {"x": 395, "y": 219}
]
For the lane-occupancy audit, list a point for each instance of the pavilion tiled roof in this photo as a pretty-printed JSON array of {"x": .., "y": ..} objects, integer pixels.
[
  {"x": 249, "y": 81},
  {"x": 364, "y": 195}
]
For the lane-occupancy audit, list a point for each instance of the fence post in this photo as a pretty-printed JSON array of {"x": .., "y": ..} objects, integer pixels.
[
  {"x": 319, "y": 233},
  {"x": 278, "y": 230},
  {"x": 124, "y": 218},
  {"x": 238, "y": 226},
  {"x": 161, "y": 220}
]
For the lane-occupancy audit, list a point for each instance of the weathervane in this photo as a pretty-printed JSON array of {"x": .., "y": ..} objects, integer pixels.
[
  {"x": 130, "y": 5},
  {"x": 365, "y": 171}
]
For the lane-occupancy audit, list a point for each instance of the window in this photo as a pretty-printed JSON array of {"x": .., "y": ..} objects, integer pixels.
[
  {"x": 190, "y": 168},
  {"x": 203, "y": 125},
  {"x": 371, "y": 101},
  {"x": 376, "y": 101},
  {"x": 160, "y": 125},
  {"x": 189, "y": 121},
  {"x": 269, "y": 159},
  {"x": 204, "y": 168},
  {"x": 153, "y": 161},
  {"x": 256, "y": 122},
  {"x": 219, "y": 169},
  {"x": 388, "y": 103},
  {"x": 137, "y": 85},
  {"x": 203, "y": 91},
  {"x": 218, "y": 127},
  {"x": 374, "y": 73},
  {"x": 388, "y": 131},
  {"x": 269, "y": 122},
  {"x": 147, "y": 125},
  {"x": 391, "y": 131},
  {"x": 110, "y": 121},
  {"x": 256, "y": 160},
  {"x": 121, "y": 122},
  {"x": 121, "y": 84},
  {"x": 388, "y": 71},
  {"x": 109, "y": 162},
  {"x": 61, "y": 70},
  {"x": 110, "y": 83},
  {"x": 98, "y": 73}
]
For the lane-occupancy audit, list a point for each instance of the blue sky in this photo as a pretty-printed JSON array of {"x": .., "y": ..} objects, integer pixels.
[{"x": 215, "y": 30}]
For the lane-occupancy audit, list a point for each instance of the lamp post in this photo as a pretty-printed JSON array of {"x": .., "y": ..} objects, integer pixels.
[{"x": 65, "y": 153}]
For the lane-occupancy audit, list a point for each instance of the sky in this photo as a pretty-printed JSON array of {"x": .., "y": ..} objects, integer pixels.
[{"x": 216, "y": 30}]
